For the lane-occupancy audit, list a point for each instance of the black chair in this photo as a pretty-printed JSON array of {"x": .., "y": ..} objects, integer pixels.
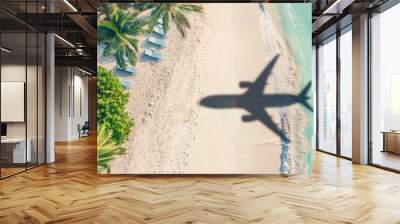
[{"x": 84, "y": 130}]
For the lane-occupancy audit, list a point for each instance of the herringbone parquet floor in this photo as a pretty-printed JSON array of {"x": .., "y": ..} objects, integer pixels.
[{"x": 70, "y": 191}]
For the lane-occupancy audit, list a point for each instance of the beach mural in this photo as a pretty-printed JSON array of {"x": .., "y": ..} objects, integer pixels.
[{"x": 207, "y": 88}]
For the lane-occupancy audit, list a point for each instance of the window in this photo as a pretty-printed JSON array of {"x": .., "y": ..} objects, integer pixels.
[
  {"x": 327, "y": 96},
  {"x": 346, "y": 92},
  {"x": 385, "y": 89},
  {"x": 22, "y": 88}
]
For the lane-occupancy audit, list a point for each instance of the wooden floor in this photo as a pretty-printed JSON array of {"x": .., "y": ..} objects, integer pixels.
[
  {"x": 5, "y": 172},
  {"x": 9, "y": 171},
  {"x": 70, "y": 191},
  {"x": 387, "y": 159}
]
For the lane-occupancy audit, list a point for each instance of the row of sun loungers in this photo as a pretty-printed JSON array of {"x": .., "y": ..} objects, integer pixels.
[
  {"x": 126, "y": 84},
  {"x": 151, "y": 53},
  {"x": 157, "y": 42},
  {"x": 158, "y": 29},
  {"x": 128, "y": 70}
]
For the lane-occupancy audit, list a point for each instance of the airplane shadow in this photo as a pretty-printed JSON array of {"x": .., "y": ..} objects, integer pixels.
[{"x": 255, "y": 102}]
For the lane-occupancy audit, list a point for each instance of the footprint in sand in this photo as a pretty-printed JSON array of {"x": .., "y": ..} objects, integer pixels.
[{"x": 184, "y": 117}]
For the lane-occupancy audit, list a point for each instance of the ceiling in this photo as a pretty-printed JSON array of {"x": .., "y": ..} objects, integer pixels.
[
  {"x": 332, "y": 15},
  {"x": 74, "y": 22}
]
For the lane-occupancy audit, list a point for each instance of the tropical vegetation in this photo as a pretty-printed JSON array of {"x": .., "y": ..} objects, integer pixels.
[
  {"x": 170, "y": 12},
  {"x": 119, "y": 32},
  {"x": 107, "y": 149},
  {"x": 104, "y": 9},
  {"x": 111, "y": 106},
  {"x": 120, "y": 28}
]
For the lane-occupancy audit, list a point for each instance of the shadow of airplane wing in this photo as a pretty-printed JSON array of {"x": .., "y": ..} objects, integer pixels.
[
  {"x": 303, "y": 97},
  {"x": 258, "y": 86},
  {"x": 260, "y": 114}
]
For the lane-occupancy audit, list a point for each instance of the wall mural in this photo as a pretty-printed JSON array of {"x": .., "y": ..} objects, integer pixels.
[{"x": 204, "y": 88}]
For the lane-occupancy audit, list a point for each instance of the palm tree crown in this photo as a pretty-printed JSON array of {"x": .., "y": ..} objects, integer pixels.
[
  {"x": 119, "y": 32},
  {"x": 175, "y": 12}
]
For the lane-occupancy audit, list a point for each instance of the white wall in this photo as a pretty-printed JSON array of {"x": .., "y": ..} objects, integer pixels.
[
  {"x": 33, "y": 126},
  {"x": 70, "y": 83},
  {"x": 16, "y": 73},
  {"x": 62, "y": 82}
]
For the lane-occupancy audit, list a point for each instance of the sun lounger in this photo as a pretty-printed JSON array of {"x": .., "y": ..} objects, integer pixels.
[
  {"x": 101, "y": 59},
  {"x": 104, "y": 60},
  {"x": 159, "y": 30},
  {"x": 128, "y": 70},
  {"x": 126, "y": 84},
  {"x": 156, "y": 41},
  {"x": 152, "y": 53}
]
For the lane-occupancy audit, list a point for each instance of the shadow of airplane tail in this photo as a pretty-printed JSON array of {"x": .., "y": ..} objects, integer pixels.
[{"x": 303, "y": 97}]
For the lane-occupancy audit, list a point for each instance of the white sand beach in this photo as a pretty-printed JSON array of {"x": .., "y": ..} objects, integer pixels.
[{"x": 174, "y": 134}]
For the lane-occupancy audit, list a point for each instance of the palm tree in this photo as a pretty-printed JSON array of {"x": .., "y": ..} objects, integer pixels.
[
  {"x": 176, "y": 12},
  {"x": 106, "y": 149},
  {"x": 104, "y": 9},
  {"x": 119, "y": 33}
]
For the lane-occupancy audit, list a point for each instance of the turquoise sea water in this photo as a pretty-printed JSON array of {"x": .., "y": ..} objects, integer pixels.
[{"x": 296, "y": 26}]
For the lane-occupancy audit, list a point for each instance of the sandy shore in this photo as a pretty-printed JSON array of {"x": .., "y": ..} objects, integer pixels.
[
  {"x": 161, "y": 103},
  {"x": 173, "y": 134},
  {"x": 235, "y": 53},
  {"x": 288, "y": 82}
]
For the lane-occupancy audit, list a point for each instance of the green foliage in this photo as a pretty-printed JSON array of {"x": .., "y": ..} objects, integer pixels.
[
  {"x": 142, "y": 6},
  {"x": 104, "y": 9},
  {"x": 120, "y": 28},
  {"x": 106, "y": 149},
  {"x": 175, "y": 12},
  {"x": 119, "y": 32},
  {"x": 111, "y": 102}
]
